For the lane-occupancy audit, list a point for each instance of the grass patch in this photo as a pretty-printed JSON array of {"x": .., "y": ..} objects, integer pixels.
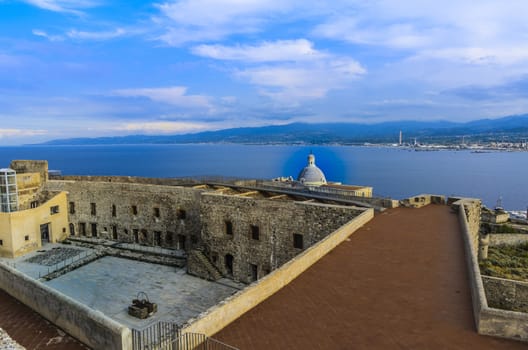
[{"x": 509, "y": 262}]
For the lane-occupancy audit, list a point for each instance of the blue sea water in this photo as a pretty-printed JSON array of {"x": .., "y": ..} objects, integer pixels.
[{"x": 393, "y": 172}]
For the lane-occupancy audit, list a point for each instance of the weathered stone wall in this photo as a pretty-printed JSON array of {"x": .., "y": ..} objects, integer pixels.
[
  {"x": 31, "y": 166},
  {"x": 166, "y": 216},
  {"x": 277, "y": 222},
  {"x": 506, "y": 294},
  {"x": 488, "y": 320},
  {"x": 422, "y": 200},
  {"x": 91, "y": 327},
  {"x": 507, "y": 239},
  {"x": 229, "y": 310}
]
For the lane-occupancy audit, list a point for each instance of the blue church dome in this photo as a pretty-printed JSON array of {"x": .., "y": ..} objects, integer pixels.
[{"x": 311, "y": 175}]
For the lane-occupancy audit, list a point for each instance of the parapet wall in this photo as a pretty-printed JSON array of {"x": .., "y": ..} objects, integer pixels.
[
  {"x": 91, "y": 327},
  {"x": 218, "y": 317},
  {"x": 506, "y": 294},
  {"x": 507, "y": 239},
  {"x": 488, "y": 321}
]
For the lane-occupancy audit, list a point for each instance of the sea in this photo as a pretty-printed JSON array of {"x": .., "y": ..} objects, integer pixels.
[{"x": 495, "y": 177}]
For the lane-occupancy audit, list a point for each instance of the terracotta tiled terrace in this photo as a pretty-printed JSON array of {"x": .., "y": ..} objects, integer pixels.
[
  {"x": 31, "y": 330},
  {"x": 400, "y": 282}
]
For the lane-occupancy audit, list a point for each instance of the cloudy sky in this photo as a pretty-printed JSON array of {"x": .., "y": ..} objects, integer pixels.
[{"x": 71, "y": 68}]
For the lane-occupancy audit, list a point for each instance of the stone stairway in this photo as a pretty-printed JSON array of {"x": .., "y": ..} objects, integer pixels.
[{"x": 199, "y": 265}]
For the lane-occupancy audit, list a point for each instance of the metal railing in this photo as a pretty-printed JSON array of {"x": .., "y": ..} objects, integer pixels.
[
  {"x": 67, "y": 262},
  {"x": 198, "y": 341},
  {"x": 159, "y": 336}
]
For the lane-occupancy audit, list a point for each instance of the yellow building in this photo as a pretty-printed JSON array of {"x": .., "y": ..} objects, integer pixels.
[{"x": 29, "y": 217}]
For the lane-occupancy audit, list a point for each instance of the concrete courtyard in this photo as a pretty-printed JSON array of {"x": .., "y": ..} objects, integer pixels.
[{"x": 109, "y": 284}]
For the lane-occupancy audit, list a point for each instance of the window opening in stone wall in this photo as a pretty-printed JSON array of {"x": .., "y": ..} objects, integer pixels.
[
  {"x": 254, "y": 272},
  {"x": 33, "y": 204},
  {"x": 82, "y": 228},
  {"x": 1, "y": 242},
  {"x": 136, "y": 235},
  {"x": 298, "y": 241},
  {"x": 72, "y": 207},
  {"x": 93, "y": 209},
  {"x": 64, "y": 230},
  {"x": 229, "y": 264},
  {"x": 94, "y": 230},
  {"x": 114, "y": 232},
  {"x": 26, "y": 238},
  {"x": 144, "y": 235},
  {"x": 181, "y": 242},
  {"x": 72, "y": 230},
  {"x": 54, "y": 209},
  {"x": 168, "y": 238},
  {"x": 126, "y": 231},
  {"x": 156, "y": 212},
  {"x": 134, "y": 210},
  {"x": 228, "y": 227},
  {"x": 157, "y": 237},
  {"x": 255, "y": 232},
  {"x": 114, "y": 211},
  {"x": 182, "y": 214}
]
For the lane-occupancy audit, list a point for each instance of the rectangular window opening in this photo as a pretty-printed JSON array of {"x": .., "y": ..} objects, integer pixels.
[
  {"x": 228, "y": 227},
  {"x": 255, "y": 232},
  {"x": 134, "y": 210},
  {"x": 54, "y": 209},
  {"x": 182, "y": 214},
  {"x": 114, "y": 211},
  {"x": 72, "y": 208},
  {"x": 93, "y": 209},
  {"x": 156, "y": 212},
  {"x": 298, "y": 241}
]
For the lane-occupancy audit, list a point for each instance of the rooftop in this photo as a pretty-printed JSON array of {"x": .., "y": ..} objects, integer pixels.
[{"x": 400, "y": 282}]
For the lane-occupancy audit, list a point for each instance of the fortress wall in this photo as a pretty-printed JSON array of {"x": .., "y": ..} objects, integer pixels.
[
  {"x": 277, "y": 222},
  {"x": 506, "y": 294},
  {"x": 91, "y": 327},
  {"x": 219, "y": 316},
  {"x": 507, "y": 239},
  {"x": 489, "y": 321},
  {"x": 167, "y": 216},
  {"x": 467, "y": 215}
]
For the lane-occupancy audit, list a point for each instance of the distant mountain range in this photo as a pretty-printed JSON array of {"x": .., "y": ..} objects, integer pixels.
[{"x": 513, "y": 128}]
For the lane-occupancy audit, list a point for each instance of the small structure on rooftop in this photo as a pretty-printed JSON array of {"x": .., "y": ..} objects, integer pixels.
[{"x": 311, "y": 175}]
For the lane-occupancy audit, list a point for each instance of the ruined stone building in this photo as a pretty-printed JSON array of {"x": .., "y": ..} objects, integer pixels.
[{"x": 241, "y": 234}]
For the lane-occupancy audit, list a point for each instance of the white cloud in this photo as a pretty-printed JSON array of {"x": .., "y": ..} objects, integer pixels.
[
  {"x": 44, "y": 34},
  {"x": 174, "y": 95},
  {"x": 83, "y": 35},
  {"x": 161, "y": 127},
  {"x": 280, "y": 50},
  {"x": 67, "y": 6},
  {"x": 20, "y": 132},
  {"x": 293, "y": 69},
  {"x": 203, "y": 20},
  {"x": 290, "y": 84}
]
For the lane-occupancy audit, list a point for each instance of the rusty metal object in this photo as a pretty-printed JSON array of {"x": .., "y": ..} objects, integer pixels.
[{"x": 142, "y": 307}]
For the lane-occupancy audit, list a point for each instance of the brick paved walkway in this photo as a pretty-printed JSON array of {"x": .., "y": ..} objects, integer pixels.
[
  {"x": 31, "y": 330},
  {"x": 400, "y": 282}
]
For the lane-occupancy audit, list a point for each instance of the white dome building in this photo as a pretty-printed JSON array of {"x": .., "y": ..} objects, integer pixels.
[{"x": 311, "y": 175}]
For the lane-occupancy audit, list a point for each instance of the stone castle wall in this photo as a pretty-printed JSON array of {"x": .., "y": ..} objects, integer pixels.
[
  {"x": 166, "y": 216},
  {"x": 276, "y": 221}
]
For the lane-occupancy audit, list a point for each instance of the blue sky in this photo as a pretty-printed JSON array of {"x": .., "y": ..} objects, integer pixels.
[{"x": 71, "y": 68}]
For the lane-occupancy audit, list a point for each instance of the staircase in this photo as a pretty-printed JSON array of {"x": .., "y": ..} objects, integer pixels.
[{"x": 199, "y": 265}]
